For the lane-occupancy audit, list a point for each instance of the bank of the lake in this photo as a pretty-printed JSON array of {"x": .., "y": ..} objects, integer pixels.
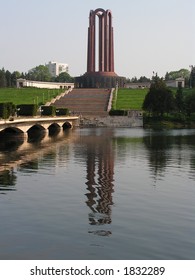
[{"x": 168, "y": 123}]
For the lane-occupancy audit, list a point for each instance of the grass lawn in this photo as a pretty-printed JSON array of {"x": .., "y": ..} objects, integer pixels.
[
  {"x": 130, "y": 99},
  {"x": 27, "y": 95},
  {"x": 133, "y": 98}
]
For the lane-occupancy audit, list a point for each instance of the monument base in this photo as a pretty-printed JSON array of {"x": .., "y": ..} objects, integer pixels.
[{"x": 99, "y": 80}]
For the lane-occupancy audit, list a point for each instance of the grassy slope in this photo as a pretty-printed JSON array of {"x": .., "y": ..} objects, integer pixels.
[
  {"x": 134, "y": 98},
  {"x": 130, "y": 98},
  {"x": 27, "y": 95},
  {"x": 126, "y": 98}
]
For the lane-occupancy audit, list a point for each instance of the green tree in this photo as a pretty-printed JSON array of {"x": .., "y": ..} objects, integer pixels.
[
  {"x": 14, "y": 76},
  {"x": 192, "y": 77},
  {"x": 64, "y": 77},
  {"x": 134, "y": 80},
  {"x": 2, "y": 78},
  {"x": 143, "y": 79},
  {"x": 159, "y": 99},
  {"x": 8, "y": 79},
  {"x": 185, "y": 73},
  {"x": 39, "y": 73},
  {"x": 190, "y": 103},
  {"x": 179, "y": 100}
]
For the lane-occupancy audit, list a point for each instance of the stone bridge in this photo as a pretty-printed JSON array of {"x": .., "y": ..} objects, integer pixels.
[{"x": 26, "y": 125}]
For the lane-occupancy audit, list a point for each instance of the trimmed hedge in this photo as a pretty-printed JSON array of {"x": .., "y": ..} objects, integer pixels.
[
  {"x": 118, "y": 112},
  {"x": 48, "y": 110},
  {"x": 62, "y": 111},
  {"x": 6, "y": 110},
  {"x": 27, "y": 109}
]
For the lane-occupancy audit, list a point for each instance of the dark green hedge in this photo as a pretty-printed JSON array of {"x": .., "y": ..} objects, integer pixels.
[
  {"x": 62, "y": 111},
  {"x": 27, "y": 109},
  {"x": 118, "y": 113},
  {"x": 48, "y": 110},
  {"x": 6, "y": 110}
]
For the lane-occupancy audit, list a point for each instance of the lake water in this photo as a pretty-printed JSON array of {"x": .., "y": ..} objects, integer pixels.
[{"x": 98, "y": 193}]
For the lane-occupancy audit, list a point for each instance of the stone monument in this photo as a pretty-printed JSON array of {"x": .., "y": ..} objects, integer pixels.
[{"x": 100, "y": 54}]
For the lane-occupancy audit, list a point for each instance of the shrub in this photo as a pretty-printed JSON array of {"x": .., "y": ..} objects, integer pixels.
[
  {"x": 27, "y": 110},
  {"x": 6, "y": 110},
  {"x": 48, "y": 110},
  {"x": 118, "y": 113},
  {"x": 62, "y": 111}
]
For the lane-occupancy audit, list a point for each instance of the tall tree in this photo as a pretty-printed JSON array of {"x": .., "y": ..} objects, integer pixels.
[
  {"x": 39, "y": 73},
  {"x": 190, "y": 103},
  {"x": 14, "y": 76},
  {"x": 8, "y": 79},
  {"x": 159, "y": 99},
  {"x": 185, "y": 73},
  {"x": 179, "y": 99},
  {"x": 64, "y": 77},
  {"x": 143, "y": 79},
  {"x": 2, "y": 78}
]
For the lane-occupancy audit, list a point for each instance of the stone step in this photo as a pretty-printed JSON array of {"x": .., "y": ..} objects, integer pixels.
[{"x": 85, "y": 101}]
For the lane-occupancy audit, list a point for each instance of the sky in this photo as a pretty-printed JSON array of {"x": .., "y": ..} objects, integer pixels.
[{"x": 149, "y": 35}]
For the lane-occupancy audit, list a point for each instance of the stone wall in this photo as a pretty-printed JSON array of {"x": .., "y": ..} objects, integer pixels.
[{"x": 112, "y": 121}]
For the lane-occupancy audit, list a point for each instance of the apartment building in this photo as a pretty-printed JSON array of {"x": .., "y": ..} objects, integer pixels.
[{"x": 55, "y": 68}]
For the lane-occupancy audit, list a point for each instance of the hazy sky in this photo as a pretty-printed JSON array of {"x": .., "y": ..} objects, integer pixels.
[{"x": 149, "y": 35}]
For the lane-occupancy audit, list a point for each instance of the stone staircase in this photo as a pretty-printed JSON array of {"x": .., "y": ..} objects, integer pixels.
[{"x": 85, "y": 102}]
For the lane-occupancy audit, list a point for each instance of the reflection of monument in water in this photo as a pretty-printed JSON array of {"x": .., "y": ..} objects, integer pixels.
[{"x": 100, "y": 172}]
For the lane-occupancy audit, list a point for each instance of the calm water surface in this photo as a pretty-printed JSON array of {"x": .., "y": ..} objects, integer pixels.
[{"x": 98, "y": 194}]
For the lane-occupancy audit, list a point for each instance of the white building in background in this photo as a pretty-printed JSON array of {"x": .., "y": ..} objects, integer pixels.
[
  {"x": 55, "y": 68},
  {"x": 179, "y": 82},
  {"x": 27, "y": 83}
]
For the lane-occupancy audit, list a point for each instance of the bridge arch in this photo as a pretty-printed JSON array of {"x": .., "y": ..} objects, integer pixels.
[
  {"x": 36, "y": 127},
  {"x": 54, "y": 128},
  {"x": 36, "y": 133},
  {"x": 12, "y": 130},
  {"x": 66, "y": 125}
]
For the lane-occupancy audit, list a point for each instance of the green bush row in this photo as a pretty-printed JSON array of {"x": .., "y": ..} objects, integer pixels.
[
  {"x": 9, "y": 109},
  {"x": 27, "y": 109},
  {"x": 118, "y": 112},
  {"x": 62, "y": 112},
  {"x": 48, "y": 110},
  {"x": 52, "y": 111}
]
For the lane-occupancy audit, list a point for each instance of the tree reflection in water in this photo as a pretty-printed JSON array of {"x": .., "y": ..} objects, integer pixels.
[{"x": 7, "y": 180}]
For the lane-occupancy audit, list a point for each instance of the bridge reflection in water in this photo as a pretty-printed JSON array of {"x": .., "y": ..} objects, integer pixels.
[{"x": 16, "y": 150}]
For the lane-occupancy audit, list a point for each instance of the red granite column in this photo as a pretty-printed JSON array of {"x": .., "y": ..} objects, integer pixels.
[
  {"x": 106, "y": 45},
  {"x": 112, "y": 51},
  {"x": 101, "y": 43},
  {"x": 110, "y": 43},
  {"x": 89, "y": 52},
  {"x": 91, "y": 43}
]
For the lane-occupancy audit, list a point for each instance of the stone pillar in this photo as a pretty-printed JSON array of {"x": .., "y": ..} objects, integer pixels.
[
  {"x": 91, "y": 43},
  {"x": 106, "y": 42},
  {"x": 100, "y": 75}
]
